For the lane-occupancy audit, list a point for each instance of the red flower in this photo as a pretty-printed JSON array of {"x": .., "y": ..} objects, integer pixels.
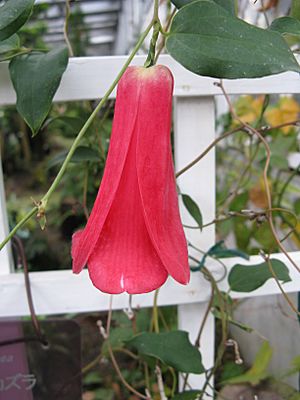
[{"x": 134, "y": 237}]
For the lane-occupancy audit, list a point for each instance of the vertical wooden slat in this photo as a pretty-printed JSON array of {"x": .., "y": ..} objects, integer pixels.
[
  {"x": 5, "y": 253},
  {"x": 194, "y": 126}
]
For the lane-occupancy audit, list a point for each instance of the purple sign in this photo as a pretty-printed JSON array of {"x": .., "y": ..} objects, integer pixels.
[{"x": 31, "y": 371}]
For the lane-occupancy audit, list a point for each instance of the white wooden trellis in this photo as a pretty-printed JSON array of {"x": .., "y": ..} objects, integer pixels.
[{"x": 58, "y": 292}]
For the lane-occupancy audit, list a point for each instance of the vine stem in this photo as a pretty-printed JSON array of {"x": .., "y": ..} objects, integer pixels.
[
  {"x": 66, "y": 27},
  {"x": 258, "y": 134},
  {"x": 43, "y": 203}
]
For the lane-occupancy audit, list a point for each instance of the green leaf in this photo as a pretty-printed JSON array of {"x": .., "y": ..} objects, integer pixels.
[
  {"x": 229, "y": 319},
  {"x": 229, "y": 5},
  {"x": 239, "y": 202},
  {"x": 193, "y": 209},
  {"x": 246, "y": 278},
  {"x": 117, "y": 338},
  {"x": 295, "y": 367},
  {"x": 9, "y": 48},
  {"x": 295, "y": 9},
  {"x": 258, "y": 371},
  {"x": 36, "y": 77},
  {"x": 286, "y": 25},
  {"x": 231, "y": 370},
  {"x": 220, "y": 251},
  {"x": 9, "y": 44},
  {"x": 172, "y": 348},
  {"x": 189, "y": 395},
  {"x": 208, "y": 41},
  {"x": 13, "y": 15},
  {"x": 297, "y": 206}
]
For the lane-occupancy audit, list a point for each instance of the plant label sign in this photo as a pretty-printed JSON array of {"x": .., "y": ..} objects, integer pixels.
[{"x": 30, "y": 370}]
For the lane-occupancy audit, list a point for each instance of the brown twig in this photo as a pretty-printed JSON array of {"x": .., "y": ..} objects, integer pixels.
[
  {"x": 34, "y": 319},
  {"x": 265, "y": 172},
  {"x": 207, "y": 150},
  {"x": 289, "y": 301}
]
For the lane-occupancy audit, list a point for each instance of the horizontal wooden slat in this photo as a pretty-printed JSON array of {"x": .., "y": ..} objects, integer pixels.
[
  {"x": 58, "y": 292},
  {"x": 89, "y": 78}
]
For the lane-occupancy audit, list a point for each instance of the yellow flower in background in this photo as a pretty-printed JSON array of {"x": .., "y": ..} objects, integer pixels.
[
  {"x": 249, "y": 108},
  {"x": 286, "y": 110},
  {"x": 258, "y": 194}
]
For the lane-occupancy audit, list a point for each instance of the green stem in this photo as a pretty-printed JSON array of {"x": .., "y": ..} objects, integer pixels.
[
  {"x": 155, "y": 322},
  {"x": 43, "y": 202},
  {"x": 66, "y": 28},
  {"x": 156, "y": 29}
]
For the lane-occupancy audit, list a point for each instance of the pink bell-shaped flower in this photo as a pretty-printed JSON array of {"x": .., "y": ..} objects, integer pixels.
[{"x": 134, "y": 238}]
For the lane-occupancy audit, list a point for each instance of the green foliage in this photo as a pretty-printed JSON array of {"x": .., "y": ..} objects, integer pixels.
[
  {"x": 36, "y": 77},
  {"x": 286, "y": 25},
  {"x": 227, "y": 50},
  {"x": 9, "y": 47},
  {"x": 193, "y": 209},
  {"x": 246, "y": 278},
  {"x": 258, "y": 371},
  {"x": 219, "y": 250},
  {"x": 13, "y": 15},
  {"x": 172, "y": 348},
  {"x": 229, "y": 5},
  {"x": 231, "y": 370},
  {"x": 117, "y": 338},
  {"x": 189, "y": 395}
]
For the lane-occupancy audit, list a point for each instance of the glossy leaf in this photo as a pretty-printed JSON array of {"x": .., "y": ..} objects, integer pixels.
[
  {"x": 13, "y": 15},
  {"x": 208, "y": 41},
  {"x": 258, "y": 371},
  {"x": 189, "y": 395},
  {"x": 193, "y": 209},
  {"x": 81, "y": 154},
  {"x": 220, "y": 251},
  {"x": 9, "y": 48},
  {"x": 36, "y": 77},
  {"x": 172, "y": 348},
  {"x": 246, "y": 278},
  {"x": 9, "y": 44},
  {"x": 286, "y": 25},
  {"x": 229, "y": 5}
]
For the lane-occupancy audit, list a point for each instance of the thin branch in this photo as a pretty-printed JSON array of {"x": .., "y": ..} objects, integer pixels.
[
  {"x": 265, "y": 173},
  {"x": 66, "y": 26}
]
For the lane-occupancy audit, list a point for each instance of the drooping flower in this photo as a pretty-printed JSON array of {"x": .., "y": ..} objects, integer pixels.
[{"x": 134, "y": 238}]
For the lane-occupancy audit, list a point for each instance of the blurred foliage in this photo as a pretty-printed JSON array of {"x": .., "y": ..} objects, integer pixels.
[{"x": 242, "y": 187}]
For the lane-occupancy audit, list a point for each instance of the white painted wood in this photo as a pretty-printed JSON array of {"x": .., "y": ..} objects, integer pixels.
[
  {"x": 194, "y": 127},
  {"x": 90, "y": 77},
  {"x": 59, "y": 292},
  {"x": 5, "y": 254}
]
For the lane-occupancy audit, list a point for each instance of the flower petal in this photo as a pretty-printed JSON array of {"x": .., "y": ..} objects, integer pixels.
[
  {"x": 124, "y": 258},
  {"x": 156, "y": 174},
  {"x": 124, "y": 119}
]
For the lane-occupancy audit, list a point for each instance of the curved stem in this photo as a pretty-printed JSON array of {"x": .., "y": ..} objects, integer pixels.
[
  {"x": 76, "y": 142},
  {"x": 66, "y": 26},
  {"x": 156, "y": 29}
]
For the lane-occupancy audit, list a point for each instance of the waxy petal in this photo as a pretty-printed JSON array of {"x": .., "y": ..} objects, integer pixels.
[
  {"x": 124, "y": 121},
  {"x": 156, "y": 175},
  {"x": 134, "y": 237}
]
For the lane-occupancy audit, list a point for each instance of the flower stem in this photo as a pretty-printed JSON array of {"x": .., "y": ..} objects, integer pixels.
[
  {"x": 76, "y": 142},
  {"x": 156, "y": 29}
]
